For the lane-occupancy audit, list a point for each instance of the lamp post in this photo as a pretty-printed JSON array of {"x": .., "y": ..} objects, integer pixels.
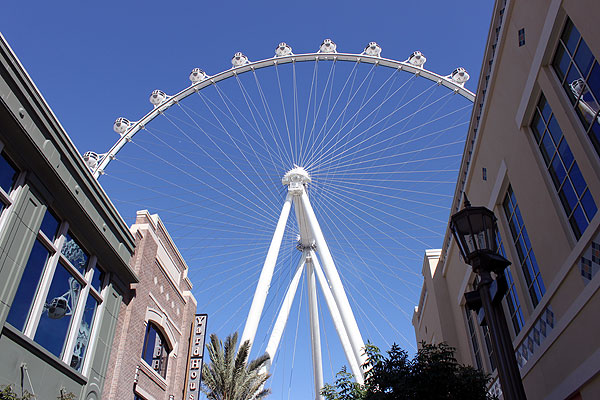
[{"x": 474, "y": 229}]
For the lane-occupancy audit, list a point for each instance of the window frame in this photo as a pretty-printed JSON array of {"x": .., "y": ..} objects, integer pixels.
[
  {"x": 594, "y": 143},
  {"x": 165, "y": 343},
  {"x": 515, "y": 315},
  {"x": 85, "y": 280},
  {"x": 568, "y": 179},
  {"x": 472, "y": 333},
  {"x": 8, "y": 199},
  {"x": 513, "y": 250}
]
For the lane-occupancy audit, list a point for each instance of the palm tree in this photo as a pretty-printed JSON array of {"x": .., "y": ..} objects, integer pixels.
[{"x": 229, "y": 376}]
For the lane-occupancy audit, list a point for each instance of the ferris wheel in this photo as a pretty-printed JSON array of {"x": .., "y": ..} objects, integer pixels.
[{"x": 333, "y": 168}]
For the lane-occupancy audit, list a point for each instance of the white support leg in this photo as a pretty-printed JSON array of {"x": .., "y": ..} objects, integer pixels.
[
  {"x": 284, "y": 311},
  {"x": 315, "y": 333},
  {"x": 337, "y": 320},
  {"x": 335, "y": 281},
  {"x": 264, "y": 282}
]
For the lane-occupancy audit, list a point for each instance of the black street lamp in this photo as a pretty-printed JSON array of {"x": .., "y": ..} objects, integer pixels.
[{"x": 474, "y": 229}]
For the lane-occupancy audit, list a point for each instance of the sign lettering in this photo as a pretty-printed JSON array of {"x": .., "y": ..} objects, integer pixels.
[{"x": 196, "y": 356}]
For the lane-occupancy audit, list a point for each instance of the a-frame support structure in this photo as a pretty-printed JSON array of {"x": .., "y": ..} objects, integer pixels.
[{"x": 314, "y": 248}]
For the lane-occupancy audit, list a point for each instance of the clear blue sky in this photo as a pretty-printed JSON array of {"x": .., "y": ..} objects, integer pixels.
[{"x": 96, "y": 62}]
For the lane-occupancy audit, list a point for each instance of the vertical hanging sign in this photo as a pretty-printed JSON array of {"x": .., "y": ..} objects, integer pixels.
[{"x": 196, "y": 355}]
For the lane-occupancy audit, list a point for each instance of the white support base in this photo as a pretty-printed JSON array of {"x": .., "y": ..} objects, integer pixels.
[{"x": 311, "y": 236}]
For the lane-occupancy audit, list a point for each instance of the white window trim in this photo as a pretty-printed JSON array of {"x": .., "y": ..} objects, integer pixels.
[{"x": 37, "y": 308}]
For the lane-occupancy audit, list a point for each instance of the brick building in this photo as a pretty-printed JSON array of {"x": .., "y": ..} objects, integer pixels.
[{"x": 150, "y": 350}]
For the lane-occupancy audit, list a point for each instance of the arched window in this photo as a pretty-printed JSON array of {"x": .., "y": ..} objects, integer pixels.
[{"x": 155, "y": 351}]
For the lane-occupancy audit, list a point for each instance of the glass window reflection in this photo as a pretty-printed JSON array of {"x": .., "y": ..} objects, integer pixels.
[
  {"x": 23, "y": 300},
  {"x": 533, "y": 278},
  {"x": 579, "y": 73},
  {"x": 50, "y": 225},
  {"x": 563, "y": 169},
  {"x": 58, "y": 309},
  {"x": 74, "y": 253},
  {"x": 8, "y": 174},
  {"x": 98, "y": 278},
  {"x": 155, "y": 352},
  {"x": 84, "y": 333}
]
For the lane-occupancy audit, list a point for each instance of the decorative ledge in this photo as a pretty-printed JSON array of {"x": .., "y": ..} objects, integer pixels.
[{"x": 535, "y": 337}]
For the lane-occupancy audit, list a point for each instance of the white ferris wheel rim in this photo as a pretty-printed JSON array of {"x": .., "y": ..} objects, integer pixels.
[{"x": 170, "y": 101}]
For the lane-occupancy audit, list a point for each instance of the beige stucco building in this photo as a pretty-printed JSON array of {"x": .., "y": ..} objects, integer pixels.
[{"x": 533, "y": 157}]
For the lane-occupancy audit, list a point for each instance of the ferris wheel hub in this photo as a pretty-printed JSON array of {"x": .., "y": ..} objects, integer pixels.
[{"x": 296, "y": 179}]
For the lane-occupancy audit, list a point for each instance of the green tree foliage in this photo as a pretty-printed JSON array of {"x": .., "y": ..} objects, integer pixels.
[
  {"x": 433, "y": 373},
  {"x": 345, "y": 388},
  {"x": 230, "y": 376},
  {"x": 6, "y": 393}
]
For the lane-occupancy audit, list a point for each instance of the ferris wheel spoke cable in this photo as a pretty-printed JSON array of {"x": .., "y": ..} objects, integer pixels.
[
  {"x": 295, "y": 107},
  {"x": 376, "y": 134},
  {"x": 437, "y": 132},
  {"x": 258, "y": 221},
  {"x": 372, "y": 274},
  {"x": 251, "y": 164},
  {"x": 271, "y": 118},
  {"x": 351, "y": 96},
  {"x": 330, "y": 78},
  {"x": 361, "y": 182},
  {"x": 371, "y": 137},
  {"x": 363, "y": 105},
  {"x": 376, "y": 228},
  {"x": 283, "y": 107},
  {"x": 248, "y": 180},
  {"x": 269, "y": 212},
  {"x": 192, "y": 216},
  {"x": 368, "y": 204},
  {"x": 232, "y": 288},
  {"x": 329, "y": 216},
  {"x": 374, "y": 199},
  {"x": 248, "y": 101},
  {"x": 243, "y": 305},
  {"x": 237, "y": 142},
  {"x": 390, "y": 143},
  {"x": 381, "y": 314},
  {"x": 348, "y": 189},
  {"x": 375, "y": 161},
  {"x": 330, "y": 110},
  {"x": 313, "y": 85},
  {"x": 398, "y": 108}
]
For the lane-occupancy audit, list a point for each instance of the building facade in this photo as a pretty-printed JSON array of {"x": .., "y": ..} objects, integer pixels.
[
  {"x": 533, "y": 157},
  {"x": 151, "y": 347},
  {"x": 64, "y": 251}
]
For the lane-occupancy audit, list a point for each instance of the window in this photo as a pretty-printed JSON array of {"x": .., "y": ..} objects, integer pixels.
[
  {"x": 572, "y": 189},
  {"x": 59, "y": 293},
  {"x": 512, "y": 298},
  {"x": 521, "y": 37},
  {"x": 155, "y": 351},
  {"x": 579, "y": 74},
  {"x": 529, "y": 266},
  {"x": 486, "y": 336},
  {"x": 473, "y": 336},
  {"x": 8, "y": 179},
  {"x": 488, "y": 346}
]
